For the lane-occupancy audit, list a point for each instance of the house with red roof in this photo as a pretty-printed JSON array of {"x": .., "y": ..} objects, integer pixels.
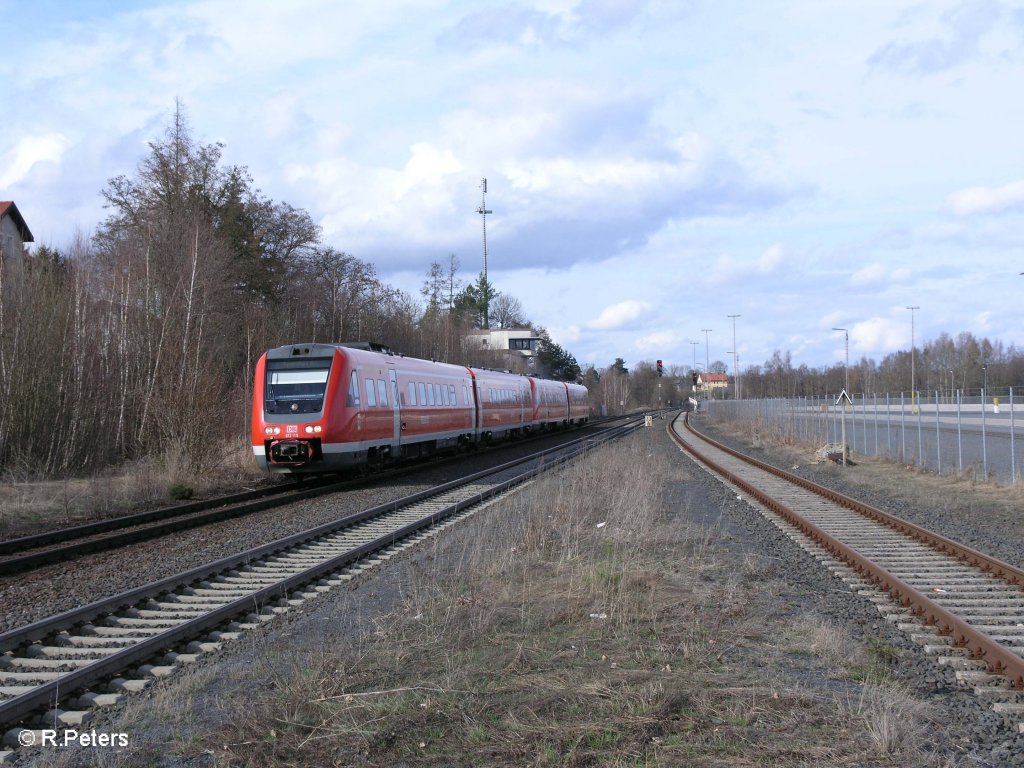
[{"x": 712, "y": 381}]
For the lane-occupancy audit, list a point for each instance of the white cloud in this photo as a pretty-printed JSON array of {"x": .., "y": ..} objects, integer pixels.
[
  {"x": 618, "y": 315},
  {"x": 565, "y": 335},
  {"x": 876, "y": 276},
  {"x": 19, "y": 161},
  {"x": 869, "y": 276},
  {"x": 771, "y": 259},
  {"x": 657, "y": 341},
  {"x": 880, "y": 335},
  {"x": 982, "y": 200}
]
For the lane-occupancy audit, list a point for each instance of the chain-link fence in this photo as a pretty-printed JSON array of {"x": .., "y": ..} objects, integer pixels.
[{"x": 962, "y": 432}]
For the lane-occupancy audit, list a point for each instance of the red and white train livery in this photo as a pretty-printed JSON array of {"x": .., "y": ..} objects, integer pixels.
[{"x": 325, "y": 407}]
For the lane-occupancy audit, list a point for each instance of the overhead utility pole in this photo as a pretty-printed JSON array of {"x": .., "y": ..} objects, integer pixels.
[{"x": 735, "y": 359}]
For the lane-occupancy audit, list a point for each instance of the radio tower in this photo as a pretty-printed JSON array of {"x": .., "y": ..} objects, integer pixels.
[{"x": 482, "y": 210}]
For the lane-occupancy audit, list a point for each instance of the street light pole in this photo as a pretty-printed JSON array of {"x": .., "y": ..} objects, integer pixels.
[
  {"x": 913, "y": 380},
  {"x": 707, "y": 368},
  {"x": 735, "y": 357},
  {"x": 846, "y": 389}
]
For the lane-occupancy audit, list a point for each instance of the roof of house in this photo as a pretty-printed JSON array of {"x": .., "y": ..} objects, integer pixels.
[
  {"x": 8, "y": 208},
  {"x": 715, "y": 377}
]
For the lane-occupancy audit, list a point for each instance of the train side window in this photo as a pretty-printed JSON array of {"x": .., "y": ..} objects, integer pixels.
[
  {"x": 353, "y": 391},
  {"x": 465, "y": 395},
  {"x": 382, "y": 392},
  {"x": 412, "y": 393},
  {"x": 423, "y": 393},
  {"x": 444, "y": 395},
  {"x": 371, "y": 395},
  {"x": 437, "y": 394},
  {"x": 430, "y": 394},
  {"x": 453, "y": 398}
]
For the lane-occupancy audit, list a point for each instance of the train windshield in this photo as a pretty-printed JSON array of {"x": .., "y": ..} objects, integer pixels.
[{"x": 296, "y": 386}]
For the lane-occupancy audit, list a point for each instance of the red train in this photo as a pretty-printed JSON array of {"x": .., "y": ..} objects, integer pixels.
[{"x": 325, "y": 407}]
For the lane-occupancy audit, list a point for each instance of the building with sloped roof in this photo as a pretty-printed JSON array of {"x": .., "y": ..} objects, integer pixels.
[{"x": 14, "y": 232}]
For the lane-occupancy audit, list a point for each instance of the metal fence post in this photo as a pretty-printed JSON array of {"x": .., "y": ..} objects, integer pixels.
[
  {"x": 921, "y": 446},
  {"x": 938, "y": 437},
  {"x": 903, "y": 429},
  {"x": 959, "y": 436},
  {"x": 874, "y": 398},
  {"x": 888, "y": 428},
  {"x": 984, "y": 440},
  {"x": 1013, "y": 449}
]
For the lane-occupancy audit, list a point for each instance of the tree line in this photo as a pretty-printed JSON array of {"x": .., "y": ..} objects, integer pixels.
[
  {"x": 140, "y": 342},
  {"x": 946, "y": 365}
]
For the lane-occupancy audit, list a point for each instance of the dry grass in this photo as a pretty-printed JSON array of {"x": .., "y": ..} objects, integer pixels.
[
  {"x": 28, "y": 505},
  {"x": 579, "y": 624}
]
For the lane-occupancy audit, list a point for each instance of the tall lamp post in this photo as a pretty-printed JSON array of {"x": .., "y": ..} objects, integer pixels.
[
  {"x": 735, "y": 357},
  {"x": 913, "y": 380},
  {"x": 846, "y": 388},
  {"x": 695, "y": 343},
  {"x": 707, "y": 368}
]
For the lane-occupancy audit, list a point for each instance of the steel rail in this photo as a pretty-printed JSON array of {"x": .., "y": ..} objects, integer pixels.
[
  {"x": 968, "y": 555},
  {"x": 49, "y": 693},
  {"x": 999, "y": 659},
  {"x": 9, "y": 546},
  {"x": 221, "y": 509}
]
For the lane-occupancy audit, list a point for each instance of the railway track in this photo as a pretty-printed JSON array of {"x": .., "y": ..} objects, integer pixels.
[
  {"x": 67, "y": 664},
  {"x": 28, "y": 552},
  {"x": 965, "y": 608}
]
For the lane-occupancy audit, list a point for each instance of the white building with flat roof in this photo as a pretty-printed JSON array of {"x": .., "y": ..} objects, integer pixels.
[{"x": 521, "y": 342}]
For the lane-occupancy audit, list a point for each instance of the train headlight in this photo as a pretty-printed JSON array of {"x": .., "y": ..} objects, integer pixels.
[
  {"x": 318, "y": 429},
  {"x": 269, "y": 430},
  {"x": 309, "y": 430},
  {"x": 272, "y": 430}
]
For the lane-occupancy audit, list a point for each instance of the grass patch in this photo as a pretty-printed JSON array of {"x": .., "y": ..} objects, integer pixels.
[{"x": 31, "y": 504}]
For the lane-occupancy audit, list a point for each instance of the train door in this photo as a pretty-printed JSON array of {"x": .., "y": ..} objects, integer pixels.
[{"x": 396, "y": 433}]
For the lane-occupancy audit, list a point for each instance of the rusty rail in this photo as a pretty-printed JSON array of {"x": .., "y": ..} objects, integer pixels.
[{"x": 999, "y": 659}]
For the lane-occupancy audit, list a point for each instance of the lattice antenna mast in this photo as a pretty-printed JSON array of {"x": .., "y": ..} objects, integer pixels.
[{"x": 482, "y": 210}]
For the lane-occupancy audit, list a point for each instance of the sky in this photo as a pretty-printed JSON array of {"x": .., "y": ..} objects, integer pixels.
[{"x": 652, "y": 167}]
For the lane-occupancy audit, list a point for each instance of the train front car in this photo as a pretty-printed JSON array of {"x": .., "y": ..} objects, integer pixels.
[
  {"x": 292, "y": 395},
  {"x": 324, "y": 408}
]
